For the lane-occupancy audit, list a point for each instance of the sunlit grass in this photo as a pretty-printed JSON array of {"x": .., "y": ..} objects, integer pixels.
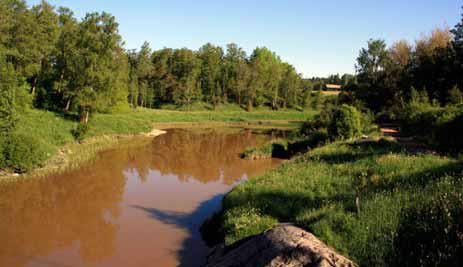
[
  {"x": 318, "y": 192},
  {"x": 142, "y": 120}
]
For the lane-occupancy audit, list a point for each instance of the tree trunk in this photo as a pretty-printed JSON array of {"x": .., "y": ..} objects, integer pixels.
[
  {"x": 249, "y": 106},
  {"x": 275, "y": 100},
  {"x": 238, "y": 98},
  {"x": 357, "y": 204},
  {"x": 84, "y": 117},
  {"x": 225, "y": 95},
  {"x": 131, "y": 101},
  {"x": 68, "y": 105},
  {"x": 34, "y": 85},
  {"x": 61, "y": 77}
]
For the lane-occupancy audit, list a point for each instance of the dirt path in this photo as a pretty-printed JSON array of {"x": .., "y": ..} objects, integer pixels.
[{"x": 412, "y": 145}]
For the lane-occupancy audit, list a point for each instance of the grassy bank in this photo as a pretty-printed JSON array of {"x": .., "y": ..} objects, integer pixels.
[
  {"x": 53, "y": 133},
  {"x": 142, "y": 120},
  {"x": 371, "y": 200}
]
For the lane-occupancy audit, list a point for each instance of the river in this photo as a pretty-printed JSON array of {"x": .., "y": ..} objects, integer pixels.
[{"x": 138, "y": 205}]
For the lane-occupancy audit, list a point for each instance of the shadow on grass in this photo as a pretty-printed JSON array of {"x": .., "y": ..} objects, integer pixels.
[
  {"x": 419, "y": 180},
  {"x": 193, "y": 250},
  {"x": 361, "y": 150},
  {"x": 293, "y": 148}
]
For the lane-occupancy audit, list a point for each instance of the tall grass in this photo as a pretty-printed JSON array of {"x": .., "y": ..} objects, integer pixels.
[
  {"x": 353, "y": 195},
  {"x": 50, "y": 130}
]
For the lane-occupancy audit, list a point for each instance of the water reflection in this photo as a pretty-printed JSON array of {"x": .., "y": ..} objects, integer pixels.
[
  {"x": 205, "y": 155},
  {"x": 40, "y": 216},
  {"x": 133, "y": 206}
]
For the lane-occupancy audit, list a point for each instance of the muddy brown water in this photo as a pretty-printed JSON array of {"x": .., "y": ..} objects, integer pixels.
[{"x": 135, "y": 206}]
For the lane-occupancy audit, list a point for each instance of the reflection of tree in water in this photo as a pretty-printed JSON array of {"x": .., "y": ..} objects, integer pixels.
[
  {"x": 206, "y": 155},
  {"x": 77, "y": 209},
  {"x": 42, "y": 215}
]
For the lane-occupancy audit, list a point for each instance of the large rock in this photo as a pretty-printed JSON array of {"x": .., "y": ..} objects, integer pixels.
[{"x": 284, "y": 245}]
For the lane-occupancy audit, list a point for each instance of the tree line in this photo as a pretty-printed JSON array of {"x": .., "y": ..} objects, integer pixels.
[
  {"x": 390, "y": 77},
  {"x": 81, "y": 66},
  {"x": 416, "y": 86},
  {"x": 183, "y": 76}
]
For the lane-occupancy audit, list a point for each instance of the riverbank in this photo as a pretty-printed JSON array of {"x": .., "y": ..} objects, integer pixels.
[
  {"x": 54, "y": 132},
  {"x": 364, "y": 198}
]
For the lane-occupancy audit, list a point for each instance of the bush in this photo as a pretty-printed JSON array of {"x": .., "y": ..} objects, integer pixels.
[
  {"x": 455, "y": 97},
  {"x": 346, "y": 123},
  {"x": 421, "y": 121},
  {"x": 320, "y": 123},
  {"x": 441, "y": 128},
  {"x": 22, "y": 152},
  {"x": 343, "y": 122},
  {"x": 80, "y": 131}
]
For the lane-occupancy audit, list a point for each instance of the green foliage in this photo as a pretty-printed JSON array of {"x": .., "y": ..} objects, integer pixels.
[
  {"x": 245, "y": 221},
  {"x": 430, "y": 231},
  {"x": 439, "y": 127},
  {"x": 22, "y": 152},
  {"x": 262, "y": 152},
  {"x": 318, "y": 192},
  {"x": 346, "y": 123},
  {"x": 458, "y": 32},
  {"x": 276, "y": 148},
  {"x": 455, "y": 96},
  {"x": 8, "y": 88},
  {"x": 449, "y": 134},
  {"x": 338, "y": 123},
  {"x": 48, "y": 130},
  {"x": 80, "y": 131},
  {"x": 3, "y": 163},
  {"x": 432, "y": 65}
]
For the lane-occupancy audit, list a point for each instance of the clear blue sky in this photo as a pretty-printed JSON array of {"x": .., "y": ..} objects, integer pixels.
[{"x": 318, "y": 37}]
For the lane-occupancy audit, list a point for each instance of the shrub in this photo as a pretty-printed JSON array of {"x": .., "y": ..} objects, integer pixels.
[
  {"x": 455, "y": 97},
  {"x": 346, "y": 123},
  {"x": 343, "y": 122},
  {"x": 80, "y": 131},
  {"x": 441, "y": 128},
  {"x": 320, "y": 123},
  {"x": 22, "y": 152},
  {"x": 449, "y": 135},
  {"x": 420, "y": 121}
]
